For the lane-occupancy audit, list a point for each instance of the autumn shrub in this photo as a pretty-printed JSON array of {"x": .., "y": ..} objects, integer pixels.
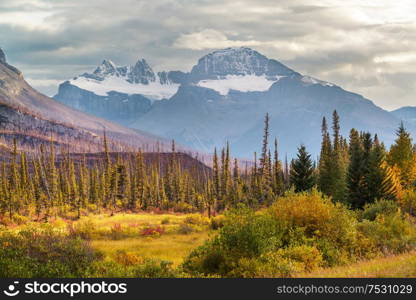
[
  {"x": 196, "y": 219},
  {"x": 117, "y": 232},
  {"x": 84, "y": 229},
  {"x": 297, "y": 233},
  {"x": 317, "y": 215},
  {"x": 330, "y": 226},
  {"x": 390, "y": 233},
  {"x": 126, "y": 258},
  {"x": 152, "y": 231},
  {"x": 184, "y": 207},
  {"x": 408, "y": 202},
  {"x": 20, "y": 219}
]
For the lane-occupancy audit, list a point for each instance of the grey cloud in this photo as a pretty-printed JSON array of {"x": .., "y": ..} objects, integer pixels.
[{"x": 357, "y": 47}]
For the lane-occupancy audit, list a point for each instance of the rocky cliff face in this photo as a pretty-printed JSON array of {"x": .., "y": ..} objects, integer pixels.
[
  {"x": 2, "y": 56},
  {"x": 122, "y": 107}
]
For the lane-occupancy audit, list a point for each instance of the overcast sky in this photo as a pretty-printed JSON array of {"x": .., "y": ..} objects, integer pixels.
[{"x": 368, "y": 47}]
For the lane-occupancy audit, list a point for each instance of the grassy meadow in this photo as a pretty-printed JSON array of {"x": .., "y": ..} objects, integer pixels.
[
  {"x": 301, "y": 235},
  {"x": 403, "y": 265},
  {"x": 172, "y": 246}
]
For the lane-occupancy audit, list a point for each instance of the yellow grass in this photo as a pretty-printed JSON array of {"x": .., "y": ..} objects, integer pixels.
[
  {"x": 174, "y": 247},
  {"x": 140, "y": 219},
  {"x": 170, "y": 246},
  {"x": 403, "y": 265}
]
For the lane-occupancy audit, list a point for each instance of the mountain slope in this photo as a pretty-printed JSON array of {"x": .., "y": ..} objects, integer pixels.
[
  {"x": 226, "y": 95},
  {"x": 406, "y": 114},
  {"x": 25, "y": 111}
]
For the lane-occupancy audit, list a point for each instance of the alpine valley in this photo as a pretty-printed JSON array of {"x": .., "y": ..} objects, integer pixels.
[{"x": 224, "y": 98}]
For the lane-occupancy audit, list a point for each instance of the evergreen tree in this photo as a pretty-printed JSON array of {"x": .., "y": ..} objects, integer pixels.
[
  {"x": 265, "y": 146},
  {"x": 302, "y": 171},
  {"x": 402, "y": 155},
  {"x": 337, "y": 163},
  {"x": 278, "y": 176},
  {"x": 325, "y": 181},
  {"x": 380, "y": 180},
  {"x": 356, "y": 171},
  {"x": 216, "y": 180}
]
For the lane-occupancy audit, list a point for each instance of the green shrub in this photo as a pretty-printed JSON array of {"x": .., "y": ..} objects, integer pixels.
[
  {"x": 281, "y": 263},
  {"x": 144, "y": 268},
  {"x": 385, "y": 207},
  {"x": 44, "y": 253},
  {"x": 165, "y": 221},
  {"x": 217, "y": 222},
  {"x": 185, "y": 229},
  {"x": 245, "y": 235},
  {"x": 390, "y": 234}
]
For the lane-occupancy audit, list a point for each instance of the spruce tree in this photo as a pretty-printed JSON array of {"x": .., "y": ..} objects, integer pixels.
[
  {"x": 379, "y": 179},
  {"x": 302, "y": 171},
  {"x": 356, "y": 169},
  {"x": 325, "y": 179},
  {"x": 402, "y": 155},
  {"x": 265, "y": 145},
  {"x": 278, "y": 177},
  {"x": 338, "y": 163}
]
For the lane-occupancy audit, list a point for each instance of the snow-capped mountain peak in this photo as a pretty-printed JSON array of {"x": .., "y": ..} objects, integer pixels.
[
  {"x": 238, "y": 61},
  {"x": 136, "y": 79},
  {"x": 107, "y": 68},
  {"x": 141, "y": 72},
  {"x": 242, "y": 69}
]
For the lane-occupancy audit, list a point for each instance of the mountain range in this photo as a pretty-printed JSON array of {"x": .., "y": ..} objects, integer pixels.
[
  {"x": 32, "y": 118},
  {"x": 223, "y": 98}
]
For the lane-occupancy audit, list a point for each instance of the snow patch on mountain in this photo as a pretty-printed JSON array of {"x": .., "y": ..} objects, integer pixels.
[
  {"x": 154, "y": 90},
  {"x": 135, "y": 79},
  {"x": 311, "y": 80},
  {"x": 242, "y": 83}
]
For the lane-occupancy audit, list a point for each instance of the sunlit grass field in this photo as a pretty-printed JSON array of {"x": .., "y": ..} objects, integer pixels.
[
  {"x": 403, "y": 265},
  {"x": 171, "y": 246},
  {"x": 181, "y": 233}
]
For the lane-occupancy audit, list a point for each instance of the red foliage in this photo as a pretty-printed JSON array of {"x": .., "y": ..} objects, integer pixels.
[{"x": 152, "y": 230}]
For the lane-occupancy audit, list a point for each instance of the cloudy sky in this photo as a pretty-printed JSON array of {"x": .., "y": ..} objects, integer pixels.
[{"x": 367, "y": 47}]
